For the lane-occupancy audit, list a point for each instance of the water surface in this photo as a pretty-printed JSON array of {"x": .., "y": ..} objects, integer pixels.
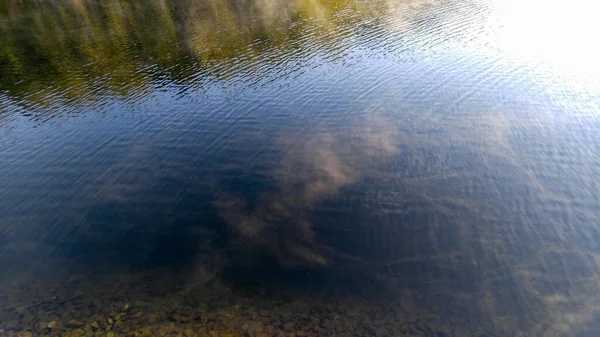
[{"x": 299, "y": 168}]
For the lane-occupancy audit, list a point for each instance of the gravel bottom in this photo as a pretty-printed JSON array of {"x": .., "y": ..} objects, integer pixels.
[{"x": 198, "y": 304}]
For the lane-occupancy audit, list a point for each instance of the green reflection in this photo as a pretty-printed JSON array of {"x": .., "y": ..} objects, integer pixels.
[{"x": 78, "y": 49}]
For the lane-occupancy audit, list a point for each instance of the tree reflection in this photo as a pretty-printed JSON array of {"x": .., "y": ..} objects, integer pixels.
[{"x": 53, "y": 52}]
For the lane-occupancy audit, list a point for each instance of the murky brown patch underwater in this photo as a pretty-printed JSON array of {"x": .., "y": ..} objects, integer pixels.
[{"x": 303, "y": 168}]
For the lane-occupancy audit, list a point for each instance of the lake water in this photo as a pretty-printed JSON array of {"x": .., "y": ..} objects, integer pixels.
[{"x": 299, "y": 168}]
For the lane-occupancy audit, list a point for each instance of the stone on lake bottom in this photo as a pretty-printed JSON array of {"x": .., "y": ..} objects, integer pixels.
[
  {"x": 77, "y": 333},
  {"x": 74, "y": 324},
  {"x": 95, "y": 326},
  {"x": 179, "y": 318}
]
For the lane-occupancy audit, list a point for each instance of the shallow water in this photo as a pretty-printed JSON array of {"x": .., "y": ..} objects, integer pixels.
[{"x": 299, "y": 168}]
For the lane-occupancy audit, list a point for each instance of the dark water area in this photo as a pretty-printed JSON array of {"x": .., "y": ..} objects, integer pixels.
[{"x": 299, "y": 168}]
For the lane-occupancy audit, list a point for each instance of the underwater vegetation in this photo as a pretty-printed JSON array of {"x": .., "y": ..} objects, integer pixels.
[
  {"x": 315, "y": 166},
  {"x": 439, "y": 210}
]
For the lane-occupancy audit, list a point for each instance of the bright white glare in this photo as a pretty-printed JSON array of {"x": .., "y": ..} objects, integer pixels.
[{"x": 562, "y": 35}]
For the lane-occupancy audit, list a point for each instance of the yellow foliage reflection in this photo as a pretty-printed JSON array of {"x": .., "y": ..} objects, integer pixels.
[{"x": 59, "y": 51}]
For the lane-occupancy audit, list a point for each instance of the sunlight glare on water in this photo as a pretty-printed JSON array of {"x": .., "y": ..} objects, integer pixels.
[{"x": 560, "y": 35}]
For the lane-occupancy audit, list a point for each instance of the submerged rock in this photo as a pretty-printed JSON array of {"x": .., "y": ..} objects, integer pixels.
[
  {"x": 164, "y": 330},
  {"x": 77, "y": 333},
  {"x": 179, "y": 318},
  {"x": 288, "y": 326},
  {"x": 74, "y": 324},
  {"x": 95, "y": 326},
  {"x": 144, "y": 332},
  {"x": 11, "y": 325}
]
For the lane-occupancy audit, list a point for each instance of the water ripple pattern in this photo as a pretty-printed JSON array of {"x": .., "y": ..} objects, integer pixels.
[{"x": 299, "y": 168}]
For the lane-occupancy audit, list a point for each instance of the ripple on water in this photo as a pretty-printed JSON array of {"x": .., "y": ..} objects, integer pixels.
[{"x": 306, "y": 168}]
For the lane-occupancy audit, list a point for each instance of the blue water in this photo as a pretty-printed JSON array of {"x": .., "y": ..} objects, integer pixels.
[{"x": 381, "y": 168}]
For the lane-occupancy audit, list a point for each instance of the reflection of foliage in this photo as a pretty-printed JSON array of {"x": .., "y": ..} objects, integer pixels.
[{"x": 73, "y": 50}]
